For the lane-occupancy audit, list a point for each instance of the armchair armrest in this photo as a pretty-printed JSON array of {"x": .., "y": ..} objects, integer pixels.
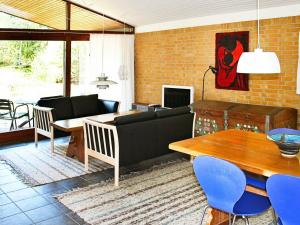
[
  {"x": 108, "y": 106},
  {"x": 40, "y": 111},
  {"x": 42, "y": 123}
]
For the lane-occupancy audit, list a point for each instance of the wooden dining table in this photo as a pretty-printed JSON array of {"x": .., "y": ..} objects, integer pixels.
[{"x": 250, "y": 151}]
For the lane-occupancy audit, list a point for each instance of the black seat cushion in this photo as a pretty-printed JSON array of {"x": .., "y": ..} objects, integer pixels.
[
  {"x": 85, "y": 105},
  {"x": 138, "y": 117},
  {"x": 173, "y": 112},
  {"x": 62, "y": 107}
]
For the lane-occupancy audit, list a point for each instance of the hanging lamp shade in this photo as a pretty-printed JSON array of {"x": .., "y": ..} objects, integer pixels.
[
  {"x": 258, "y": 62},
  {"x": 102, "y": 82}
]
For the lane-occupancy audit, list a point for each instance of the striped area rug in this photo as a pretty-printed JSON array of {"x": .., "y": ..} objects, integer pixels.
[
  {"x": 166, "y": 194},
  {"x": 36, "y": 166}
]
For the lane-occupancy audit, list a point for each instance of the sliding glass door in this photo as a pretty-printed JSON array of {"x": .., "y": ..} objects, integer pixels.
[{"x": 29, "y": 70}]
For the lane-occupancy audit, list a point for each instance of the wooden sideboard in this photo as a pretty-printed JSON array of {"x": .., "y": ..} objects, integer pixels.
[{"x": 212, "y": 116}]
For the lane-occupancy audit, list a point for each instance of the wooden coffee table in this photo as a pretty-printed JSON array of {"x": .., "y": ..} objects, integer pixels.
[{"x": 75, "y": 127}]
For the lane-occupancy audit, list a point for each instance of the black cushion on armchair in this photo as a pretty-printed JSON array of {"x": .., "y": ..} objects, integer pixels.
[{"x": 85, "y": 105}]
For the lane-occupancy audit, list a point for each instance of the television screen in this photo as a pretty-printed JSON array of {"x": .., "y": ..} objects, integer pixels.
[{"x": 176, "y": 96}]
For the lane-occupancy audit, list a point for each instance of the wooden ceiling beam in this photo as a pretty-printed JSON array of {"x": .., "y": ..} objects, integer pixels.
[
  {"x": 41, "y": 35},
  {"x": 63, "y": 31}
]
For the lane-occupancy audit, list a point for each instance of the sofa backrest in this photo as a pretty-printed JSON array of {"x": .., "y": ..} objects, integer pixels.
[
  {"x": 173, "y": 128},
  {"x": 85, "y": 105},
  {"x": 173, "y": 112},
  {"x": 78, "y": 106},
  {"x": 137, "y": 139},
  {"x": 148, "y": 134},
  {"x": 62, "y": 107},
  {"x": 134, "y": 118}
]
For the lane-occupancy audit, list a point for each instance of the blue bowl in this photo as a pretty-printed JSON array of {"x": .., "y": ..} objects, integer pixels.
[{"x": 288, "y": 141}]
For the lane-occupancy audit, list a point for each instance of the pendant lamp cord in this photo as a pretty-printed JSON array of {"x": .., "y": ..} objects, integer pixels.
[
  {"x": 102, "y": 42},
  {"x": 258, "y": 30}
]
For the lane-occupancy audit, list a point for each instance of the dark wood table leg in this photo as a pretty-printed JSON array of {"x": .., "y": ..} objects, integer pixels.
[
  {"x": 217, "y": 217},
  {"x": 76, "y": 145}
]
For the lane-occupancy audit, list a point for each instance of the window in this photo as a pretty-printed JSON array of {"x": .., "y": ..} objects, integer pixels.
[{"x": 30, "y": 70}]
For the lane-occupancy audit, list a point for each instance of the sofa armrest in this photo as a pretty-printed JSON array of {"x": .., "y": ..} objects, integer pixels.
[{"x": 108, "y": 106}]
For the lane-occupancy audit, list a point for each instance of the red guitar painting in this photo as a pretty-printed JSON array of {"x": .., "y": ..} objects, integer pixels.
[{"x": 229, "y": 48}]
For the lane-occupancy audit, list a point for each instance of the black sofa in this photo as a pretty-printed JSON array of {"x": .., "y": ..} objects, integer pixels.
[
  {"x": 147, "y": 135},
  {"x": 78, "y": 106}
]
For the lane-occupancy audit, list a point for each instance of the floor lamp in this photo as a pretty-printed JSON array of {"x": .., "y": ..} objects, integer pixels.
[{"x": 214, "y": 71}]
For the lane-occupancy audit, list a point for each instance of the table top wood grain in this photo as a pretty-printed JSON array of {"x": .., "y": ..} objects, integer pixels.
[
  {"x": 76, "y": 124},
  {"x": 252, "y": 152}
]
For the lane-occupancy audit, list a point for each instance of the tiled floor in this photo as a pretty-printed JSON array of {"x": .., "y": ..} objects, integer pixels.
[{"x": 22, "y": 205}]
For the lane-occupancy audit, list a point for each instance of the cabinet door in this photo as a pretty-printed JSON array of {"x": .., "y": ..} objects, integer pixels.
[
  {"x": 208, "y": 122},
  {"x": 246, "y": 121}
]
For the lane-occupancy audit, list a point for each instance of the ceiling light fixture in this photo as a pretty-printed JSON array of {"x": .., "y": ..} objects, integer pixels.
[
  {"x": 102, "y": 81},
  {"x": 258, "y": 61}
]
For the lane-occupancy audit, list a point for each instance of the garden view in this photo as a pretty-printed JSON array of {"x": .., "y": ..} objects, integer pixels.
[{"x": 30, "y": 70}]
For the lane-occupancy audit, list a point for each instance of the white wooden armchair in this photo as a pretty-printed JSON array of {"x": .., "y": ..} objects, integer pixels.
[
  {"x": 101, "y": 142},
  {"x": 42, "y": 124}
]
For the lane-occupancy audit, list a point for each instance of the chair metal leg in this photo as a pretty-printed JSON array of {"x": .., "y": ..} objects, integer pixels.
[
  {"x": 29, "y": 121},
  {"x": 203, "y": 214},
  {"x": 11, "y": 125},
  {"x": 229, "y": 216},
  {"x": 233, "y": 221},
  {"x": 246, "y": 220}
]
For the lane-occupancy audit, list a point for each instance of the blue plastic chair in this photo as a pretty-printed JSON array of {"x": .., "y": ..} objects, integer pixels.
[
  {"x": 256, "y": 181},
  {"x": 224, "y": 186},
  {"x": 284, "y": 194}
]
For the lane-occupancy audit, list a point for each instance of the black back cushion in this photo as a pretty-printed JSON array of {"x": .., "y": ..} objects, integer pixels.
[
  {"x": 138, "y": 117},
  {"x": 62, "y": 107},
  {"x": 173, "y": 112},
  {"x": 85, "y": 105}
]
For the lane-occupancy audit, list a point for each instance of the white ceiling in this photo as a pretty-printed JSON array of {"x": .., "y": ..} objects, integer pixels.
[{"x": 145, "y": 12}]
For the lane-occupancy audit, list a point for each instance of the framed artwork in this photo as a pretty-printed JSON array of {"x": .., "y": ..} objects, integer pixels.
[{"x": 229, "y": 48}]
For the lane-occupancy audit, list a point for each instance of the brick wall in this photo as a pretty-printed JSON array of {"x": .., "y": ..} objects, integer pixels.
[{"x": 180, "y": 57}]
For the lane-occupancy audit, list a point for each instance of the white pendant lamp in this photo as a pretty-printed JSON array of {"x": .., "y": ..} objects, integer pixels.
[
  {"x": 258, "y": 61},
  {"x": 102, "y": 81}
]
